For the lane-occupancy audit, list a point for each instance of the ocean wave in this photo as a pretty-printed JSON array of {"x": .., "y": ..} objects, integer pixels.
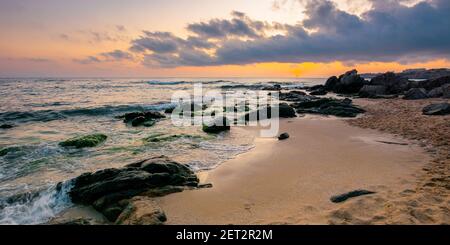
[
  {"x": 51, "y": 115},
  {"x": 36, "y": 207}
]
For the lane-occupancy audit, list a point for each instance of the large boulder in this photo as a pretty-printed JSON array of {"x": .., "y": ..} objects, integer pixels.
[
  {"x": 218, "y": 125},
  {"x": 393, "y": 83},
  {"x": 141, "y": 211},
  {"x": 349, "y": 83},
  {"x": 92, "y": 140},
  {"x": 372, "y": 91},
  {"x": 416, "y": 94},
  {"x": 108, "y": 190},
  {"x": 331, "y": 83},
  {"x": 437, "y": 109}
]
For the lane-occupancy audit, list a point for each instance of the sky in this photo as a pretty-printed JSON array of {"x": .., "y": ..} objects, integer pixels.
[{"x": 220, "y": 38}]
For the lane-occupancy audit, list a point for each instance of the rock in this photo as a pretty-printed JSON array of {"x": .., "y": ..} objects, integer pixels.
[
  {"x": 434, "y": 83},
  {"x": 108, "y": 190},
  {"x": 284, "y": 111},
  {"x": 394, "y": 84},
  {"x": 446, "y": 91},
  {"x": 416, "y": 94},
  {"x": 5, "y": 151},
  {"x": 352, "y": 194},
  {"x": 205, "y": 186},
  {"x": 73, "y": 222},
  {"x": 283, "y": 136},
  {"x": 85, "y": 141},
  {"x": 437, "y": 109},
  {"x": 6, "y": 126},
  {"x": 275, "y": 87},
  {"x": 372, "y": 91},
  {"x": 349, "y": 83},
  {"x": 436, "y": 92},
  {"x": 295, "y": 96},
  {"x": 169, "y": 110},
  {"x": 318, "y": 90},
  {"x": 328, "y": 106},
  {"x": 217, "y": 126},
  {"x": 138, "y": 121},
  {"x": 331, "y": 83},
  {"x": 142, "y": 211}
]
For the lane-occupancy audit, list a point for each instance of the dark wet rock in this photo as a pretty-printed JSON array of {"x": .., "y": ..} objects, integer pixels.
[
  {"x": 147, "y": 118},
  {"x": 283, "y": 136},
  {"x": 434, "y": 83},
  {"x": 169, "y": 110},
  {"x": 352, "y": 194},
  {"x": 328, "y": 106},
  {"x": 267, "y": 112},
  {"x": 416, "y": 94},
  {"x": 205, "y": 186},
  {"x": 436, "y": 92},
  {"x": 394, "y": 84},
  {"x": 372, "y": 91},
  {"x": 141, "y": 211},
  {"x": 331, "y": 83},
  {"x": 348, "y": 83},
  {"x": 217, "y": 126},
  {"x": 108, "y": 190},
  {"x": 6, "y": 126},
  {"x": 318, "y": 90},
  {"x": 85, "y": 141},
  {"x": 156, "y": 138},
  {"x": 275, "y": 87},
  {"x": 295, "y": 96},
  {"x": 437, "y": 109}
]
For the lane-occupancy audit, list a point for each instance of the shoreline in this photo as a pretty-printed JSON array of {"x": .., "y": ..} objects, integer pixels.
[{"x": 291, "y": 182}]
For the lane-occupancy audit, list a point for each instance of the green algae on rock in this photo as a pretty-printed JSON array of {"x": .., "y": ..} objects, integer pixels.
[{"x": 92, "y": 140}]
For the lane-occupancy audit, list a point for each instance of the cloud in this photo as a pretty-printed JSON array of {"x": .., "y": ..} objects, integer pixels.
[
  {"x": 117, "y": 55},
  {"x": 403, "y": 31},
  {"x": 87, "y": 60}
]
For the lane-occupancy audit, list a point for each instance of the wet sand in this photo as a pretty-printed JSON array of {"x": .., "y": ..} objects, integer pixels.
[{"x": 291, "y": 182}]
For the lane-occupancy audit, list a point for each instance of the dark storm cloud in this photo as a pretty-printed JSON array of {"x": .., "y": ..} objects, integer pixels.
[{"x": 390, "y": 31}]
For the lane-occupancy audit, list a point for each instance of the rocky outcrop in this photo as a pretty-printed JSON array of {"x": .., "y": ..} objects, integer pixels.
[
  {"x": 141, "y": 211},
  {"x": 437, "y": 109},
  {"x": 109, "y": 190},
  {"x": 436, "y": 92},
  {"x": 434, "y": 83},
  {"x": 446, "y": 91},
  {"x": 85, "y": 141},
  {"x": 317, "y": 90},
  {"x": 352, "y": 194},
  {"x": 416, "y": 94},
  {"x": 218, "y": 125},
  {"x": 328, "y": 106},
  {"x": 295, "y": 96},
  {"x": 348, "y": 83}
]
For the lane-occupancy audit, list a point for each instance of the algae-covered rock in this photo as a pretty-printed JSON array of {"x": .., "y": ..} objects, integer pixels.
[{"x": 92, "y": 140}]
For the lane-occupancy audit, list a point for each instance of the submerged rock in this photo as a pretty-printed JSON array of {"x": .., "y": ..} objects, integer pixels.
[
  {"x": 109, "y": 190},
  {"x": 352, "y": 194},
  {"x": 283, "y": 136},
  {"x": 416, "y": 94},
  {"x": 146, "y": 119},
  {"x": 85, "y": 141},
  {"x": 217, "y": 126},
  {"x": 437, "y": 109}
]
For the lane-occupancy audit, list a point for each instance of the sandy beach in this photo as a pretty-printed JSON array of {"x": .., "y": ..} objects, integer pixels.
[{"x": 291, "y": 182}]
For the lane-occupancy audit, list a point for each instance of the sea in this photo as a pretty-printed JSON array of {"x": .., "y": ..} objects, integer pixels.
[{"x": 47, "y": 111}]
